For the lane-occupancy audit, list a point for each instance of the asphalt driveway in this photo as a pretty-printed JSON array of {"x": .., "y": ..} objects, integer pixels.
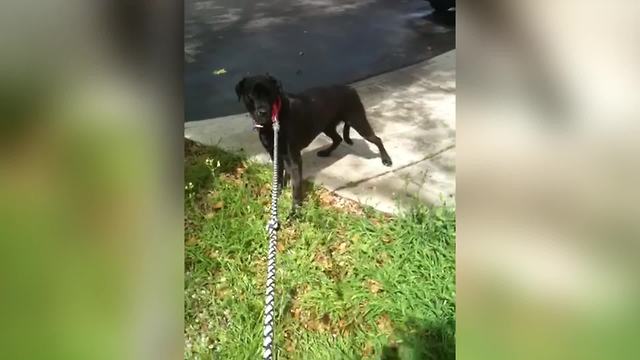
[{"x": 302, "y": 42}]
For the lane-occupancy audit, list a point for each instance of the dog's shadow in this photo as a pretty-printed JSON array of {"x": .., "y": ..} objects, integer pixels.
[{"x": 312, "y": 163}]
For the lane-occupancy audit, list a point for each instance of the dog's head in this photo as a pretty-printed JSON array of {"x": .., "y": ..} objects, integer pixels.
[{"x": 259, "y": 93}]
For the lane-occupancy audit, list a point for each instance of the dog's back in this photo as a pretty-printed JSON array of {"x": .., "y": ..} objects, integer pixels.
[
  {"x": 333, "y": 102},
  {"x": 339, "y": 95}
]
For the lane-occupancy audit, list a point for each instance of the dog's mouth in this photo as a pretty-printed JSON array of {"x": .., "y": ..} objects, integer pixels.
[{"x": 259, "y": 122}]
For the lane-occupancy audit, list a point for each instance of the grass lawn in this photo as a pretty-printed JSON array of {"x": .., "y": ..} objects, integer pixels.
[{"x": 352, "y": 283}]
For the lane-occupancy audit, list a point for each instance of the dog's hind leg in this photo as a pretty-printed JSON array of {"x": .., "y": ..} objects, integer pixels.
[
  {"x": 345, "y": 133},
  {"x": 333, "y": 134},
  {"x": 361, "y": 124},
  {"x": 386, "y": 159}
]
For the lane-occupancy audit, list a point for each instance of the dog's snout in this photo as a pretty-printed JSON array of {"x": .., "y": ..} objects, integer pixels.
[{"x": 262, "y": 112}]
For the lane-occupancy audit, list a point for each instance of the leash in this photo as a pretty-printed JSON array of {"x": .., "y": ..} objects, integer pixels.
[{"x": 272, "y": 231}]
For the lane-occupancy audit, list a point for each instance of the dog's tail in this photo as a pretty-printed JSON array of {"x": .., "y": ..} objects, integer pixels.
[{"x": 345, "y": 133}]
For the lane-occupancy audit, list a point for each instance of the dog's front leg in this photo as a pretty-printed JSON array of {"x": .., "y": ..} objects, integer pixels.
[
  {"x": 286, "y": 179},
  {"x": 293, "y": 163}
]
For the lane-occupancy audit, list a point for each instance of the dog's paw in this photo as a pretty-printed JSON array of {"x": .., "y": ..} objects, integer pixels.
[
  {"x": 387, "y": 162},
  {"x": 294, "y": 214},
  {"x": 323, "y": 153}
]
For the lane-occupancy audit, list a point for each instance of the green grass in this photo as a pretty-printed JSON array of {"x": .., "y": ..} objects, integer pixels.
[{"x": 352, "y": 283}]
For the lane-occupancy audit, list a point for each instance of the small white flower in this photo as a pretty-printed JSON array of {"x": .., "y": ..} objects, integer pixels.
[{"x": 218, "y": 164}]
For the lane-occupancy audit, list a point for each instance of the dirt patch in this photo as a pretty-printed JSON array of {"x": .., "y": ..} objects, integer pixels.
[{"x": 331, "y": 199}]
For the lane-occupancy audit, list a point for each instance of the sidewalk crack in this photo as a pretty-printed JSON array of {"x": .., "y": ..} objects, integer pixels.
[{"x": 358, "y": 182}]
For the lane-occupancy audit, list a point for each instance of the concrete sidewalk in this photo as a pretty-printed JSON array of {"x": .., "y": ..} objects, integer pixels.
[{"x": 411, "y": 109}]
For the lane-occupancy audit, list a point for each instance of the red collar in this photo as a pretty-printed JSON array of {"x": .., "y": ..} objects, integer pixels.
[{"x": 275, "y": 109}]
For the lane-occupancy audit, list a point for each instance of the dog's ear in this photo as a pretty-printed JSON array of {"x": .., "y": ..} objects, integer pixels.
[
  {"x": 276, "y": 83},
  {"x": 240, "y": 88}
]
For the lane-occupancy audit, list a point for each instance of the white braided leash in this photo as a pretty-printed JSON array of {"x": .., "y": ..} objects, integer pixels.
[{"x": 272, "y": 230}]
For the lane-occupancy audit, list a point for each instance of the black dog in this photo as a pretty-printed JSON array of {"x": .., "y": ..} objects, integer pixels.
[{"x": 302, "y": 118}]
